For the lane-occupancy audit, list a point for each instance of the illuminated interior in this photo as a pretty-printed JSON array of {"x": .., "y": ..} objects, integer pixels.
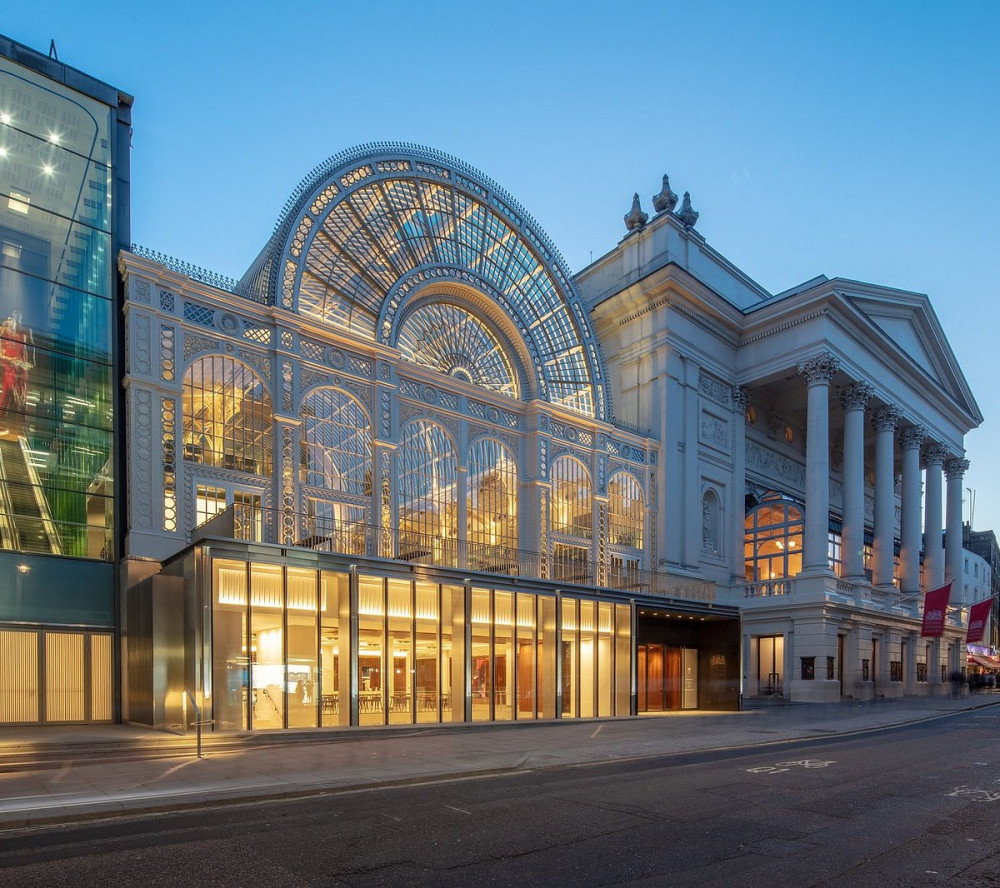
[
  {"x": 773, "y": 541},
  {"x": 282, "y": 652}
]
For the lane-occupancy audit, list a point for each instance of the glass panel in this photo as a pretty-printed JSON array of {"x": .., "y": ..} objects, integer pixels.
[
  {"x": 336, "y": 443},
  {"x": 453, "y": 653},
  {"x": 231, "y": 655},
  {"x": 428, "y": 487},
  {"x": 605, "y": 658},
  {"x": 482, "y": 667},
  {"x": 570, "y": 663},
  {"x": 626, "y": 508},
  {"x": 371, "y": 650},
  {"x": 492, "y": 507},
  {"x": 572, "y": 511},
  {"x": 267, "y": 649},
  {"x": 571, "y": 563},
  {"x": 427, "y": 663},
  {"x": 401, "y": 651},
  {"x": 19, "y": 676},
  {"x": 208, "y": 502},
  {"x": 64, "y": 672},
  {"x": 335, "y": 617},
  {"x": 227, "y": 416},
  {"x": 623, "y": 659},
  {"x": 527, "y": 680},
  {"x": 503, "y": 655},
  {"x": 38, "y": 589},
  {"x": 588, "y": 659},
  {"x": 773, "y": 541},
  {"x": 303, "y": 659},
  {"x": 547, "y": 651}
]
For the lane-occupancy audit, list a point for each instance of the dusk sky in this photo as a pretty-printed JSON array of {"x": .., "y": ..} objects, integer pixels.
[{"x": 850, "y": 139}]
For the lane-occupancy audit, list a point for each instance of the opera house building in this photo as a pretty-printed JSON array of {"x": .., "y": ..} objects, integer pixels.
[{"x": 409, "y": 468}]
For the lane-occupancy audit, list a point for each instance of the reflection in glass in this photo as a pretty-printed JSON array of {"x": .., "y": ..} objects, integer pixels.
[{"x": 231, "y": 654}]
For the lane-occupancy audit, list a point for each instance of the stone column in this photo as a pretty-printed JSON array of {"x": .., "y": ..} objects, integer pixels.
[
  {"x": 910, "y": 440},
  {"x": 854, "y": 398},
  {"x": 741, "y": 400},
  {"x": 954, "y": 471},
  {"x": 934, "y": 456},
  {"x": 818, "y": 372},
  {"x": 884, "y": 421}
]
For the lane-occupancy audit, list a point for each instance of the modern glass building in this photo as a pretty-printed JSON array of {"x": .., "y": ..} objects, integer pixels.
[{"x": 64, "y": 215}]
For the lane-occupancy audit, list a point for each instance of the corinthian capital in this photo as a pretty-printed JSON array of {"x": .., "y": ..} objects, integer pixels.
[
  {"x": 885, "y": 419},
  {"x": 856, "y": 395},
  {"x": 935, "y": 454},
  {"x": 912, "y": 436},
  {"x": 955, "y": 467},
  {"x": 819, "y": 369}
]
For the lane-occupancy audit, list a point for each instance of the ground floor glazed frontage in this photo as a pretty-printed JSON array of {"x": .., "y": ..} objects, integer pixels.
[{"x": 278, "y": 638}]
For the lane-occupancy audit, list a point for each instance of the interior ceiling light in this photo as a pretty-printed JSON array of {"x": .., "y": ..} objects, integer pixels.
[
  {"x": 3, "y": 151},
  {"x": 4, "y": 117},
  {"x": 54, "y": 138},
  {"x": 48, "y": 169}
]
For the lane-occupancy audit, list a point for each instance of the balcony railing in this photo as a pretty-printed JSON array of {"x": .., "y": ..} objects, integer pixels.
[{"x": 248, "y": 523}]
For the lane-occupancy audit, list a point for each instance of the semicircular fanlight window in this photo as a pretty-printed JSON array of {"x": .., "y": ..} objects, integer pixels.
[{"x": 453, "y": 341}]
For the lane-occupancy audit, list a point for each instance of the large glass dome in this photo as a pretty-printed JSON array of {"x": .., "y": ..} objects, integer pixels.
[{"x": 372, "y": 228}]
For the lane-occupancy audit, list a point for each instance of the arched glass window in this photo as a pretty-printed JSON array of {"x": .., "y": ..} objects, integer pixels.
[
  {"x": 336, "y": 443},
  {"x": 626, "y": 508},
  {"x": 227, "y": 416},
  {"x": 572, "y": 500},
  {"x": 492, "y": 506},
  {"x": 773, "y": 540},
  {"x": 453, "y": 341},
  {"x": 428, "y": 494}
]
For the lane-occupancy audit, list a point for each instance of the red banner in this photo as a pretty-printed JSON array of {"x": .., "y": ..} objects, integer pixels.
[
  {"x": 978, "y": 615},
  {"x": 935, "y": 608}
]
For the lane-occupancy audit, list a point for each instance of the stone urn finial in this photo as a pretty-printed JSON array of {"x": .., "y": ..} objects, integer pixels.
[
  {"x": 686, "y": 214},
  {"x": 666, "y": 199},
  {"x": 636, "y": 218}
]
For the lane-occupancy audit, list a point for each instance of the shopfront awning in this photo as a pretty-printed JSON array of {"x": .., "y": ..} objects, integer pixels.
[{"x": 988, "y": 662}]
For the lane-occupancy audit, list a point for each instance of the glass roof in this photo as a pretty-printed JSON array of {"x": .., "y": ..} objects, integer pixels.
[{"x": 359, "y": 228}]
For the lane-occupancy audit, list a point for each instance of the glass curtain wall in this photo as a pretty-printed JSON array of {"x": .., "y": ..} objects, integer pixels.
[
  {"x": 282, "y": 658},
  {"x": 56, "y": 328}
]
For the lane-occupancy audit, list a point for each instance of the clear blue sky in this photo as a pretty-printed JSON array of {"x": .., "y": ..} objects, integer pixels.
[{"x": 858, "y": 139}]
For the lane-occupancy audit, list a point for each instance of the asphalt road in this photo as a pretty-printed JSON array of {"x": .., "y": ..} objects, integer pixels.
[{"x": 917, "y": 805}]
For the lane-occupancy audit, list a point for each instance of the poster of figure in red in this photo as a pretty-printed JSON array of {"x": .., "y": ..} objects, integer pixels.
[{"x": 935, "y": 608}]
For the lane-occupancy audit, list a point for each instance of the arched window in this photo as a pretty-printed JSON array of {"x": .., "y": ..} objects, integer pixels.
[
  {"x": 492, "y": 506},
  {"x": 227, "y": 416},
  {"x": 450, "y": 339},
  {"x": 773, "y": 540},
  {"x": 336, "y": 442},
  {"x": 428, "y": 494},
  {"x": 626, "y": 508},
  {"x": 572, "y": 519}
]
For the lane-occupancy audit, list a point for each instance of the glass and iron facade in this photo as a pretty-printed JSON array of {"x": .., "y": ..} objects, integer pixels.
[
  {"x": 63, "y": 165},
  {"x": 406, "y": 384}
]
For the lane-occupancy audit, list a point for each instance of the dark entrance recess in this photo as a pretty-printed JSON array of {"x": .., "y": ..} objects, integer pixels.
[{"x": 662, "y": 635}]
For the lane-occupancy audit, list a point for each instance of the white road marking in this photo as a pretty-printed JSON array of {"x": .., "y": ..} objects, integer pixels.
[
  {"x": 460, "y": 810},
  {"x": 598, "y": 731},
  {"x": 975, "y": 795}
]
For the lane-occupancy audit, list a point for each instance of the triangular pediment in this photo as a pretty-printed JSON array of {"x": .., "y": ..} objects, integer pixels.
[{"x": 909, "y": 322}]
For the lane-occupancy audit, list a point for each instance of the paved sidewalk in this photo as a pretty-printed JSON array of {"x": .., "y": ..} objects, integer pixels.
[{"x": 107, "y": 770}]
